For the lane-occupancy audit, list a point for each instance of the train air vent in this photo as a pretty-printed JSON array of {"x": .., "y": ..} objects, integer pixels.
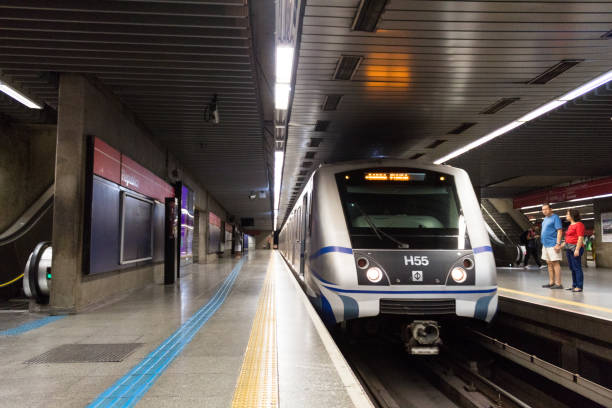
[
  {"x": 435, "y": 144},
  {"x": 321, "y": 125},
  {"x": 331, "y": 102},
  {"x": 416, "y": 156},
  {"x": 347, "y": 66},
  {"x": 555, "y": 71},
  {"x": 499, "y": 105},
  {"x": 315, "y": 141},
  {"x": 607, "y": 35},
  {"x": 247, "y": 222},
  {"x": 368, "y": 14},
  {"x": 461, "y": 128},
  {"x": 417, "y": 306}
]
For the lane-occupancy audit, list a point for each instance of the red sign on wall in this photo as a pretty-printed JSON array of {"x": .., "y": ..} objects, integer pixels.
[
  {"x": 214, "y": 220},
  {"x": 576, "y": 191},
  {"x": 120, "y": 169}
]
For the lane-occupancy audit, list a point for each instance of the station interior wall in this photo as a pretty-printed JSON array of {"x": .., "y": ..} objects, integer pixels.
[
  {"x": 27, "y": 166},
  {"x": 603, "y": 250},
  {"x": 87, "y": 107}
]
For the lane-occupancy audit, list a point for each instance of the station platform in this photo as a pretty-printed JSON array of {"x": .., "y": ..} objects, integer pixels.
[
  {"x": 526, "y": 285},
  {"x": 236, "y": 332}
]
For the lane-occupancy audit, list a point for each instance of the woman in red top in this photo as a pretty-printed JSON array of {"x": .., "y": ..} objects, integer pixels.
[{"x": 574, "y": 248}]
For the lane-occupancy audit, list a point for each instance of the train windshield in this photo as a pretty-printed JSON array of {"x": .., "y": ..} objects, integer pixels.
[{"x": 402, "y": 208}]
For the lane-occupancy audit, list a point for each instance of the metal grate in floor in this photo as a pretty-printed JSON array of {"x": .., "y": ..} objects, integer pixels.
[{"x": 86, "y": 353}]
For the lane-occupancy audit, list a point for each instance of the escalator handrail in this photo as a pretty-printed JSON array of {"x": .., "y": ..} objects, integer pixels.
[
  {"x": 498, "y": 226},
  {"x": 29, "y": 218}
]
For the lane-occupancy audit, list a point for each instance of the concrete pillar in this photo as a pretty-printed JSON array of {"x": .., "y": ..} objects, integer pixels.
[{"x": 69, "y": 194}]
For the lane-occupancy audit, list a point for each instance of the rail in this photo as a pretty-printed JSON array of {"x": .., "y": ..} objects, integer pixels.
[{"x": 496, "y": 223}]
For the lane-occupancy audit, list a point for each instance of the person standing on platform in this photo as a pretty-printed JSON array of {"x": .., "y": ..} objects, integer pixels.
[
  {"x": 552, "y": 231},
  {"x": 530, "y": 247},
  {"x": 574, "y": 248}
]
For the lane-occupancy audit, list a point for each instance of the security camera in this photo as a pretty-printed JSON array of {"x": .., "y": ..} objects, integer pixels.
[{"x": 211, "y": 111}]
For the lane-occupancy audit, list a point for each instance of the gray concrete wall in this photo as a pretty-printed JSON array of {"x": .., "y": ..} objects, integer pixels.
[
  {"x": 506, "y": 205},
  {"x": 27, "y": 166},
  {"x": 603, "y": 250},
  {"x": 86, "y": 107}
]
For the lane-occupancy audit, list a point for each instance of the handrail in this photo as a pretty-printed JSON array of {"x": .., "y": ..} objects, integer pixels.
[
  {"x": 29, "y": 217},
  {"x": 498, "y": 226}
]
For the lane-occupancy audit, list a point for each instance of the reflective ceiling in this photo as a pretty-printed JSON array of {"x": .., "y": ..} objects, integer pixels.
[
  {"x": 432, "y": 66},
  {"x": 165, "y": 60}
]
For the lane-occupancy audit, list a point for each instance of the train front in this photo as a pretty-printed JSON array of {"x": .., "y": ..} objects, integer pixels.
[{"x": 418, "y": 248}]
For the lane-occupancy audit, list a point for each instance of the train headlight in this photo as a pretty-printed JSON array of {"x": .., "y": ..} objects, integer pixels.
[
  {"x": 374, "y": 274},
  {"x": 459, "y": 274}
]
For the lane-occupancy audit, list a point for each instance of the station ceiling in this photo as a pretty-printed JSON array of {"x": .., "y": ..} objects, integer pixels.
[
  {"x": 427, "y": 76},
  {"x": 165, "y": 60}
]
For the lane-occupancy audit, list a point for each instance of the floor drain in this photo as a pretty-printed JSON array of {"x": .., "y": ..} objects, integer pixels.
[{"x": 86, "y": 353}]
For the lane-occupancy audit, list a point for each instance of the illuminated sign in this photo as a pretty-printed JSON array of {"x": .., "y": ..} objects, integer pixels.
[{"x": 391, "y": 176}]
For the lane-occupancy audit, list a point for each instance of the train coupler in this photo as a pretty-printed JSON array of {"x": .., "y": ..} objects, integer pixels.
[{"x": 422, "y": 337}]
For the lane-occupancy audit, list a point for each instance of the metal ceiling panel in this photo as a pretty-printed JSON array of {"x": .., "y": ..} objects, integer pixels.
[
  {"x": 433, "y": 65},
  {"x": 165, "y": 60}
]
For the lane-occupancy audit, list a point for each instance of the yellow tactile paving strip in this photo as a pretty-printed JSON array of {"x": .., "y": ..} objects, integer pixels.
[
  {"x": 556, "y": 300},
  {"x": 258, "y": 381}
]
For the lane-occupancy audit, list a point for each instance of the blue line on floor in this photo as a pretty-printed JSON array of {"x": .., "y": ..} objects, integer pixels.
[
  {"x": 26, "y": 327},
  {"x": 129, "y": 389}
]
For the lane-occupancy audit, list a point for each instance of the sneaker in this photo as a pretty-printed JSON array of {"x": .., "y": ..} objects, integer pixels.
[
  {"x": 550, "y": 285},
  {"x": 556, "y": 287},
  {"x": 543, "y": 266},
  {"x": 572, "y": 288}
]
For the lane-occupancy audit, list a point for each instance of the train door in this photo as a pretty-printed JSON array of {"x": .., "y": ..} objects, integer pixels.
[{"x": 303, "y": 226}]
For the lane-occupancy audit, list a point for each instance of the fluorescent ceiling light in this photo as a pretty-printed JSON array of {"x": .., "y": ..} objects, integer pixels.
[
  {"x": 479, "y": 142},
  {"x": 591, "y": 198},
  {"x": 284, "y": 64},
  {"x": 279, "y": 157},
  {"x": 281, "y": 96},
  {"x": 541, "y": 110},
  {"x": 586, "y": 219},
  {"x": 581, "y": 90},
  {"x": 589, "y": 86},
  {"x": 559, "y": 209},
  {"x": 531, "y": 206},
  {"x": 18, "y": 96}
]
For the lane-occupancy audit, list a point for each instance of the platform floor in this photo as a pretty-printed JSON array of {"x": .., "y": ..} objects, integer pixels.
[
  {"x": 526, "y": 285},
  {"x": 209, "y": 369}
]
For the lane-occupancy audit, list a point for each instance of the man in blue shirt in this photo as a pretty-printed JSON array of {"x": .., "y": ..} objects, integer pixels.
[{"x": 552, "y": 231}]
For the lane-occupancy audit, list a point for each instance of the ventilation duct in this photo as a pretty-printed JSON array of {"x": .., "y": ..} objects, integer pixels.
[
  {"x": 347, "y": 66},
  {"x": 555, "y": 71},
  {"x": 499, "y": 105},
  {"x": 368, "y": 15}
]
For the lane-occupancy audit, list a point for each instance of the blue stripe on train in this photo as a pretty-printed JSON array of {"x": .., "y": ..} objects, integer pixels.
[{"x": 329, "y": 249}]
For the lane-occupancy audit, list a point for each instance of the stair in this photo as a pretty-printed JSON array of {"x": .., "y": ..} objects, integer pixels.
[{"x": 502, "y": 224}]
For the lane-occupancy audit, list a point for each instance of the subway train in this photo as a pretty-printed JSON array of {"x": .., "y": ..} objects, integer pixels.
[{"x": 392, "y": 238}]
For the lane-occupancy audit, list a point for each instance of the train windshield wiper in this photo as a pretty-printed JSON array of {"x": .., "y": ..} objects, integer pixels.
[{"x": 378, "y": 231}]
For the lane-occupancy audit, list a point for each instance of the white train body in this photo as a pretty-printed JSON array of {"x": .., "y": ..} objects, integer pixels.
[{"x": 391, "y": 237}]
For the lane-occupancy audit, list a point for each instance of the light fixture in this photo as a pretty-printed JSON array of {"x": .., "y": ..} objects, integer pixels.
[
  {"x": 458, "y": 274},
  {"x": 573, "y": 94},
  {"x": 281, "y": 96},
  {"x": 279, "y": 156},
  {"x": 374, "y": 274},
  {"x": 590, "y": 198},
  {"x": 253, "y": 195},
  {"x": 531, "y": 206},
  {"x": 284, "y": 64},
  {"x": 559, "y": 209},
  {"x": 18, "y": 96}
]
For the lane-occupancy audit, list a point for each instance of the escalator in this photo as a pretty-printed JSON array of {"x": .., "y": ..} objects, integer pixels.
[
  {"x": 505, "y": 250},
  {"x": 18, "y": 241}
]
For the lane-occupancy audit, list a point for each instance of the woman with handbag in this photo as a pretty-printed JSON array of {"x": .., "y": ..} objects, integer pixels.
[{"x": 574, "y": 248}]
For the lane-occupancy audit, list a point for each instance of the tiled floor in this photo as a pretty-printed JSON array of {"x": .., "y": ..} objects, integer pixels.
[
  {"x": 205, "y": 373},
  {"x": 596, "y": 300}
]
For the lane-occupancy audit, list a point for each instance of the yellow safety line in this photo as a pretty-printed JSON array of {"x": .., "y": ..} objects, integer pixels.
[
  {"x": 552, "y": 299},
  {"x": 257, "y": 384},
  {"x": 14, "y": 280}
]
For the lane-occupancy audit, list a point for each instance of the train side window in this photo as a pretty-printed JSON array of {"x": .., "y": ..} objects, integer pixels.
[{"x": 309, "y": 212}]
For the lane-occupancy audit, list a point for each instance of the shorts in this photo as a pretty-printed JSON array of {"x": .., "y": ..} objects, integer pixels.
[{"x": 550, "y": 255}]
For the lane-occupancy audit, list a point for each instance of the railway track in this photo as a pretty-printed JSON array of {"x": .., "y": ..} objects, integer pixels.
[{"x": 475, "y": 371}]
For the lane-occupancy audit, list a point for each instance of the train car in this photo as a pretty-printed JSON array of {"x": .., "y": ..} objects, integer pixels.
[{"x": 392, "y": 237}]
